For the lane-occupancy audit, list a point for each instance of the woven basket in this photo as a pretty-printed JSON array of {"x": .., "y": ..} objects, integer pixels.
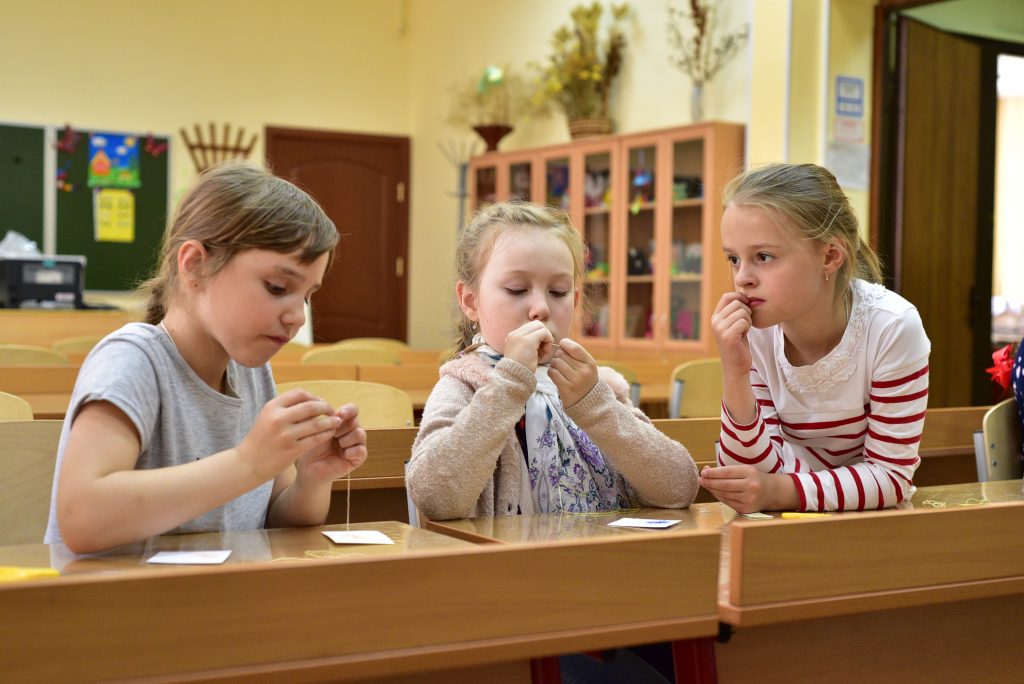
[{"x": 581, "y": 128}]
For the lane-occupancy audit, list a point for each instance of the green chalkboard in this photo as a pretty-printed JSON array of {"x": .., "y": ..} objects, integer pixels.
[
  {"x": 21, "y": 181},
  {"x": 111, "y": 265}
]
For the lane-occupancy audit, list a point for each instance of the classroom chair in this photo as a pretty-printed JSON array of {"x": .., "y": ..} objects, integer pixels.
[
  {"x": 631, "y": 377},
  {"x": 385, "y": 342},
  {"x": 352, "y": 355},
  {"x": 13, "y": 407},
  {"x": 380, "y": 406},
  {"x": 26, "y": 476},
  {"x": 997, "y": 446},
  {"x": 30, "y": 355},
  {"x": 696, "y": 389},
  {"x": 76, "y": 345}
]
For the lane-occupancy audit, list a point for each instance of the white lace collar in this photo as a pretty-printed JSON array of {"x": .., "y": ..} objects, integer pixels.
[{"x": 839, "y": 364}]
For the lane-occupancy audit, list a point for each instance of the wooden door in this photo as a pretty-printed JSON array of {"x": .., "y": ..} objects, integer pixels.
[
  {"x": 362, "y": 182},
  {"x": 937, "y": 231}
]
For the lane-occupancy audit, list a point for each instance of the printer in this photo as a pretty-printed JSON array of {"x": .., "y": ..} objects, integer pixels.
[{"x": 48, "y": 282}]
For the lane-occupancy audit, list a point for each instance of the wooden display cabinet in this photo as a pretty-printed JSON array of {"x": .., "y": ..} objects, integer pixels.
[{"x": 648, "y": 206}]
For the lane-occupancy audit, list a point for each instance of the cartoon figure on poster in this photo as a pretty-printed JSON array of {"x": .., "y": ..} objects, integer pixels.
[{"x": 113, "y": 161}]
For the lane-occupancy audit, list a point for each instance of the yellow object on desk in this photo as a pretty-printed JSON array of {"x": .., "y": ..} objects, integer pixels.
[
  {"x": 792, "y": 515},
  {"x": 14, "y": 574}
]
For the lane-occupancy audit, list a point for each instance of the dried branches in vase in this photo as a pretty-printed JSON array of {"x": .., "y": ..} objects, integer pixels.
[{"x": 696, "y": 51}]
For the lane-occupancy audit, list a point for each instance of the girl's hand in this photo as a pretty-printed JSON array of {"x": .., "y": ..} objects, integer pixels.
[
  {"x": 730, "y": 322},
  {"x": 340, "y": 455},
  {"x": 573, "y": 370},
  {"x": 745, "y": 489},
  {"x": 288, "y": 426},
  {"x": 529, "y": 343}
]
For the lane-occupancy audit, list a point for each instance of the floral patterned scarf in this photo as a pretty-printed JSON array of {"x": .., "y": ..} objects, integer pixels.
[{"x": 567, "y": 471}]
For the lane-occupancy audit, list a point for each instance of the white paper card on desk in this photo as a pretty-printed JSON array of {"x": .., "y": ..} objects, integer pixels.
[
  {"x": 357, "y": 537},
  {"x": 190, "y": 557},
  {"x": 649, "y": 523}
]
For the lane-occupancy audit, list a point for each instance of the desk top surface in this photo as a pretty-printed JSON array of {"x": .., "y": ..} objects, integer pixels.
[{"x": 252, "y": 546}]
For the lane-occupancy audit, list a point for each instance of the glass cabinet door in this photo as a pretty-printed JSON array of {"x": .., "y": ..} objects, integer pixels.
[
  {"x": 638, "y": 320},
  {"x": 556, "y": 183},
  {"x": 485, "y": 184},
  {"x": 687, "y": 261},
  {"x": 596, "y": 228},
  {"x": 520, "y": 179}
]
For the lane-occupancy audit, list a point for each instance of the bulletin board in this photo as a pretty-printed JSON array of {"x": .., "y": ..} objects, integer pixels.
[{"x": 109, "y": 265}]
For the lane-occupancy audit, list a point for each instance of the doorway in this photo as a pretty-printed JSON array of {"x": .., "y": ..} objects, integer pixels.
[
  {"x": 934, "y": 187},
  {"x": 1007, "y": 276},
  {"x": 362, "y": 182}
]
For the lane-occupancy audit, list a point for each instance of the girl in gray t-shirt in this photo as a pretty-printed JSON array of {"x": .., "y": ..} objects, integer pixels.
[{"x": 173, "y": 424}]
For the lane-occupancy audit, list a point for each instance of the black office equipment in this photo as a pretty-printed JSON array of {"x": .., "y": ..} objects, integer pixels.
[{"x": 42, "y": 282}]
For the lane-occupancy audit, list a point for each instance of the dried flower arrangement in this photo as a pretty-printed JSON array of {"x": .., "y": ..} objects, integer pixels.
[
  {"x": 500, "y": 96},
  {"x": 580, "y": 70}
]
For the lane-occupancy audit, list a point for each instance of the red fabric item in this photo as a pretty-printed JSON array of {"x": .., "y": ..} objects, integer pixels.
[{"x": 1003, "y": 360}]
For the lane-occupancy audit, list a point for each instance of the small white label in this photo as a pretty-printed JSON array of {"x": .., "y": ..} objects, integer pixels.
[
  {"x": 190, "y": 557},
  {"x": 649, "y": 523},
  {"x": 357, "y": 537}
]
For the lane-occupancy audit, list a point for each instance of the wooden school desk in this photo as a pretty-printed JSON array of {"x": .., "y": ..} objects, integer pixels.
[
  {"x": 935, "y": 591},
  {"x": 289, "y": 605},
  {"x": 932, "y": 590},
  {"x": 693, "y": 653}
]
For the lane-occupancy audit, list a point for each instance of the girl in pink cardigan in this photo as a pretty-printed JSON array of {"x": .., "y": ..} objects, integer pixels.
[{"x": 522, "y": 420}]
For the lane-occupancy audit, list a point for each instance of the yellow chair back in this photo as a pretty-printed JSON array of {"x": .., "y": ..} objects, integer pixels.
[
  {"x": 380, "y": 406},
  {"x": 385, "y": 342},
  {"x": 352, "y": 355},
  {"x": 1000, "y": 457},
  {"x": 696, "y": 389},
  {"x": 26, "y": 477},
  {"x": 77, "y": 345},
  {"x": 30, "y": 355},
  {"x": 13, "y": 407}
]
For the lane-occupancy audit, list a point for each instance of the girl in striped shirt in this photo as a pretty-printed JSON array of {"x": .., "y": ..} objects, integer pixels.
[{"x": 825, "y": 371}]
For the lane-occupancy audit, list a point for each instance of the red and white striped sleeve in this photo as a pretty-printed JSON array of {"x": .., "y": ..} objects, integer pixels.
[
  {"x": 758, "y": 444},
  {"x": 898, "y": 398}
]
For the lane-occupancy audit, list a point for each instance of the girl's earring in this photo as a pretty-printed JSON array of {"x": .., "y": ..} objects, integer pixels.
[{"x": 826, "y": 276}]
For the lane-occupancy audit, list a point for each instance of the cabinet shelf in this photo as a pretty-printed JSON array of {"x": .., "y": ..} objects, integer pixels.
[
  {"x": 693, "y": 202},
  {"x": 665, "y": 311}
]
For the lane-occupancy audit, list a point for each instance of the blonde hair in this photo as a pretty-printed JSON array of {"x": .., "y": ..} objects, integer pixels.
[
  {"x": 476, "y": 240},
  {"x": 810, "y": 197},
  {"x": 234, "y": 207}
]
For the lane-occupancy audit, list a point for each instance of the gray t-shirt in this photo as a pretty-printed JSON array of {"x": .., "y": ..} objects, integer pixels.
[{"x": 179, "y": 418}]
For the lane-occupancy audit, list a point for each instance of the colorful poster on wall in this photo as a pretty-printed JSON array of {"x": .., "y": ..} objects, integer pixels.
[
  {"x": 114, "y": 219},
  {"x": 113, "y": 161}
]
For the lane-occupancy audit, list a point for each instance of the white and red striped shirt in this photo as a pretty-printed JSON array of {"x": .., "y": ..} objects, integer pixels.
[{"x": 846, "y": 428}]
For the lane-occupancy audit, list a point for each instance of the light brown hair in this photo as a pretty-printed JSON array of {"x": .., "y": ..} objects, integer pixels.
[
  {"x": 810, "y": 198},
  {"x": 475, "y": 241},
  {"x": 234, "y": 207}
]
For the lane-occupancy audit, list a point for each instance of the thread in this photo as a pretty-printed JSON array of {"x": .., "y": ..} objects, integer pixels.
[
  {"x": 971, "y": 501},
  {"x": 348, "y": 498}
]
